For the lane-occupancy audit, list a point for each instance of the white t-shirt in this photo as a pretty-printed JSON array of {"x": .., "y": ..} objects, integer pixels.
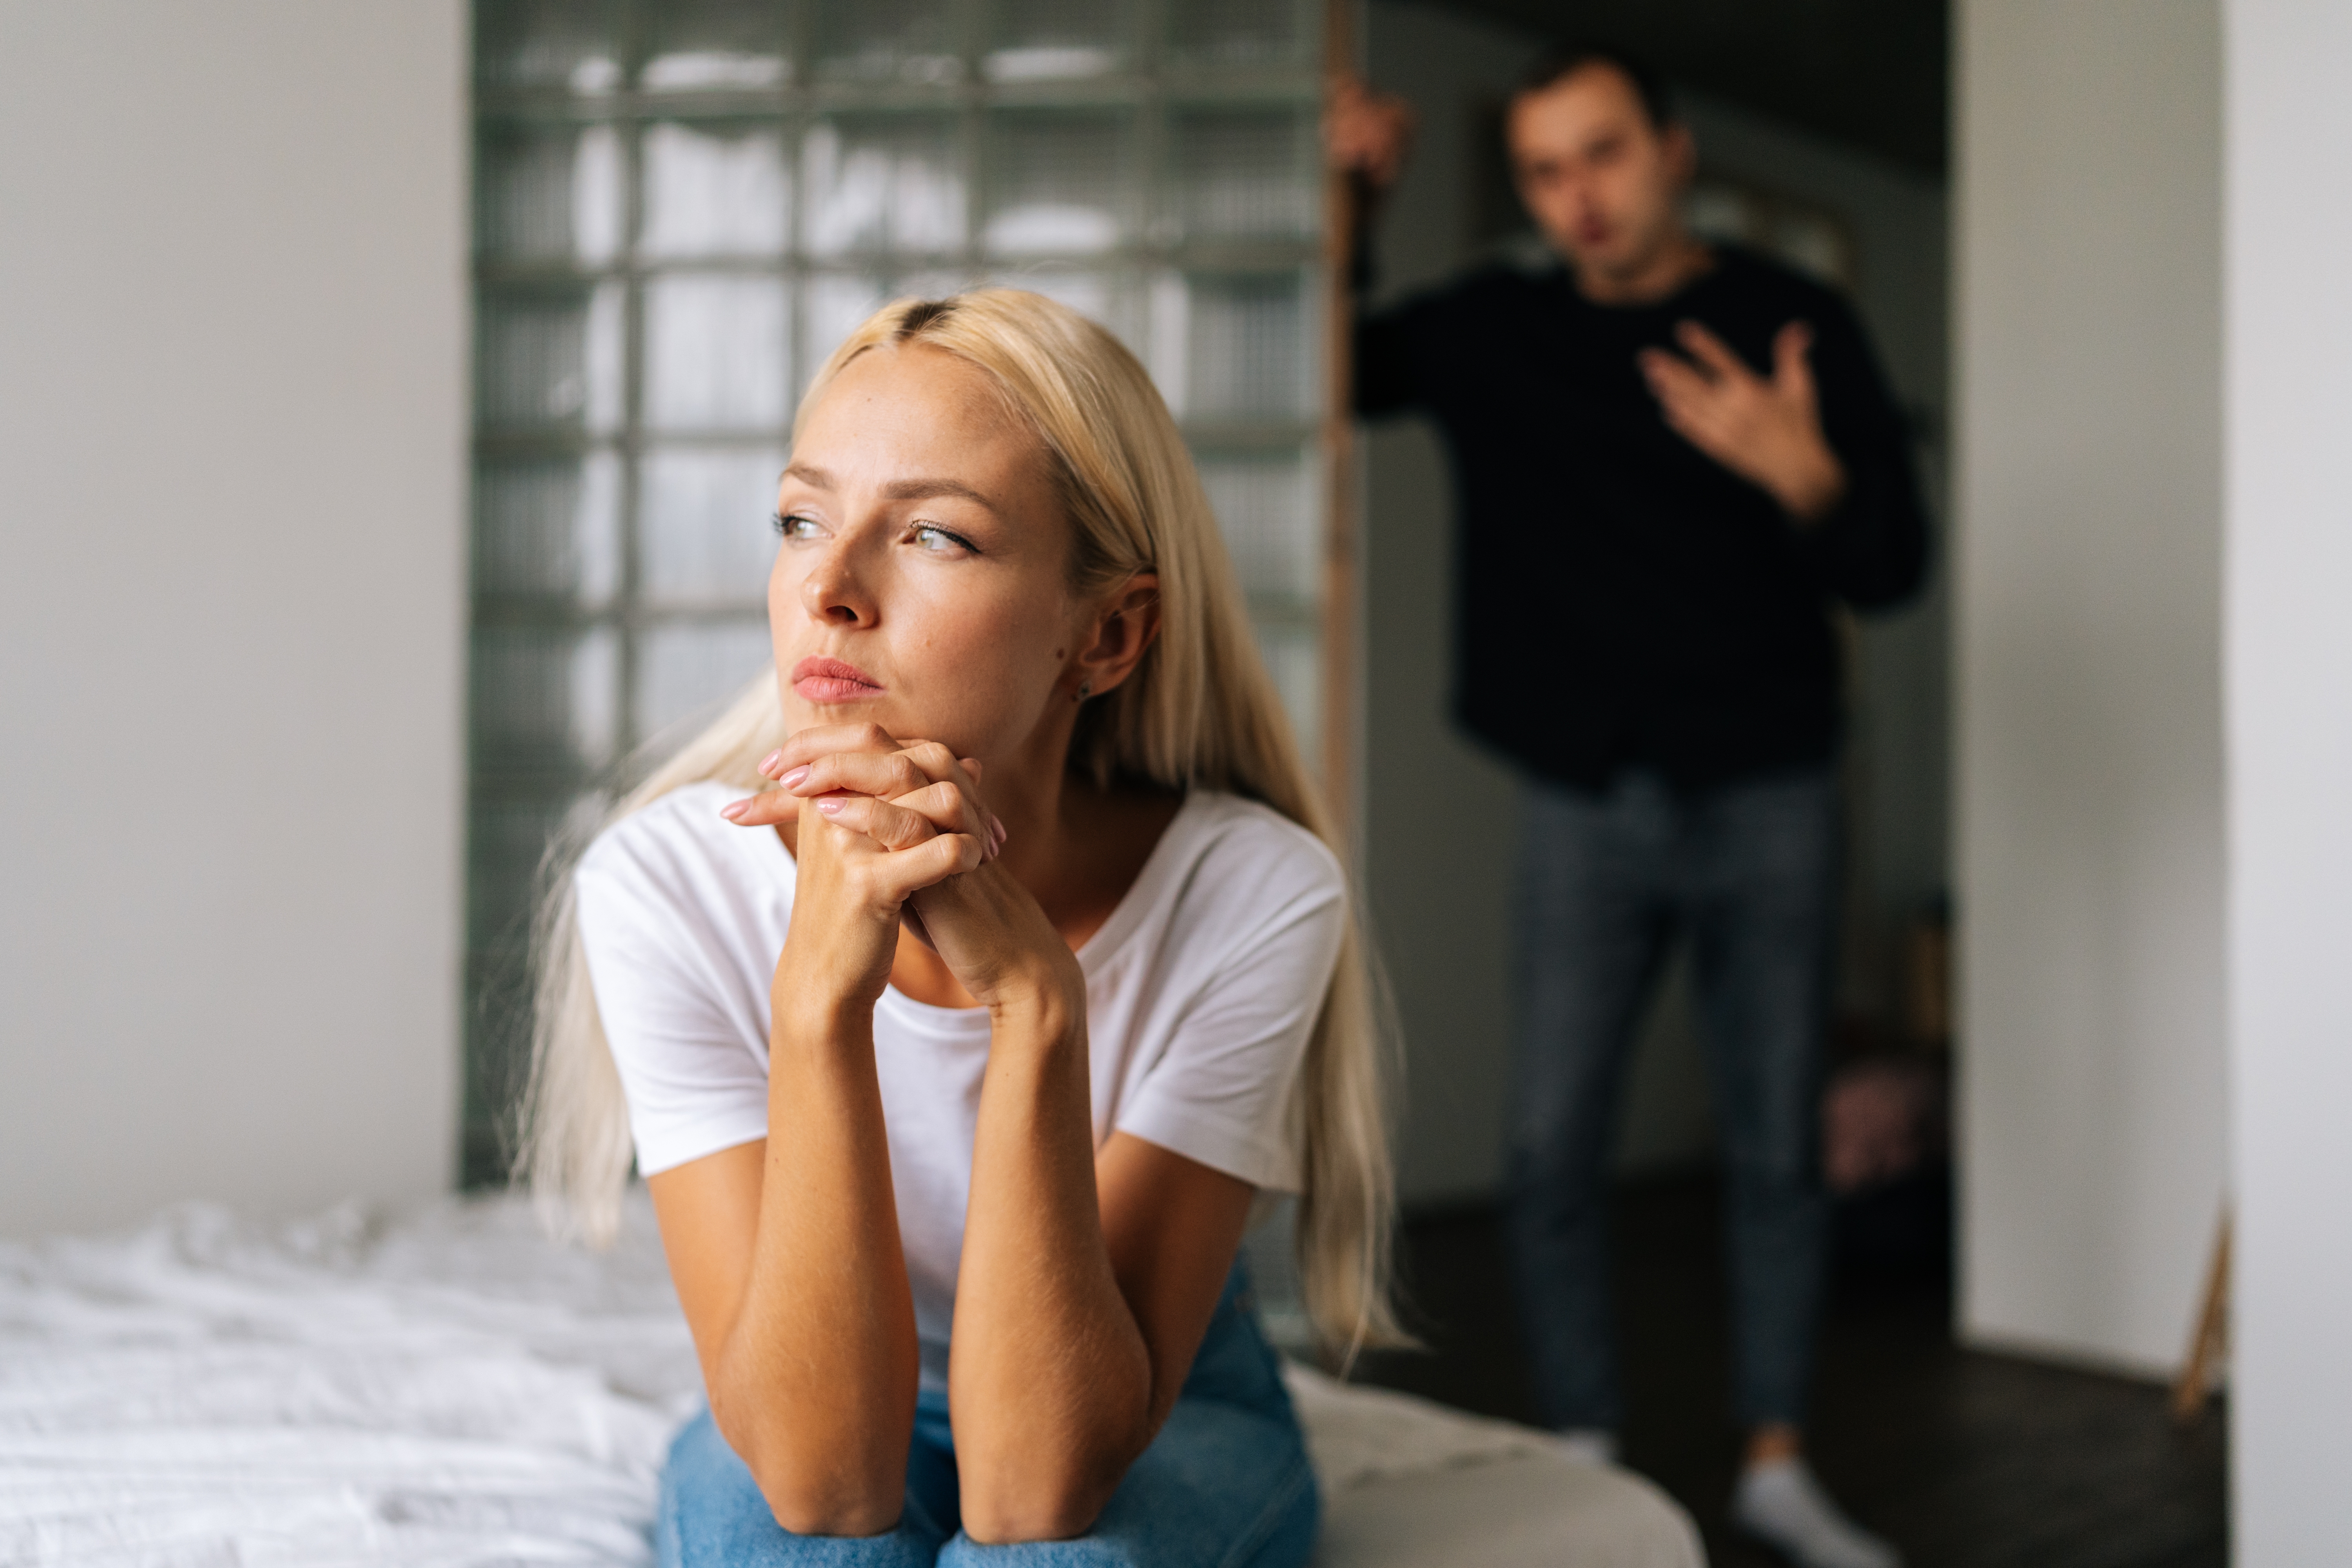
[{"x": 1201, "y": 989}]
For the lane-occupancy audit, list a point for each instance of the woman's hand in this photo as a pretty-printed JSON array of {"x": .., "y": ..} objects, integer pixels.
[
  {"x": 985, "y": 926},
  {"x": 861, "y": 858},
  {"x": 829, "y": 764}
]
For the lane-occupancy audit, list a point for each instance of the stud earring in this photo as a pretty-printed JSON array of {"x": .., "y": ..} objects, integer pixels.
[{"x": 1086, "y": 689}]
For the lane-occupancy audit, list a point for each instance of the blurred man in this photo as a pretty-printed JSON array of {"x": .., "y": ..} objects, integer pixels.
[{"x": 1671, "y": 460}]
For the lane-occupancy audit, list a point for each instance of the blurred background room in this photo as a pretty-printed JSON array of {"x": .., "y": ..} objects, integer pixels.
[{"x": 393, "y": 398}]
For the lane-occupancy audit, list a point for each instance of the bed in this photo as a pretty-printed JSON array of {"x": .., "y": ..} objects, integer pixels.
[{"x": 443, "y": 1385}]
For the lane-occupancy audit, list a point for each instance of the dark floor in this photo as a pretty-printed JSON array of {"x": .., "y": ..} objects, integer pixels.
[{"x": 1961, "y": 1457}]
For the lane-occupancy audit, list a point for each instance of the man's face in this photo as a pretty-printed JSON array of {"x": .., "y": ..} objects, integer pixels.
[{"x": 1600, "y": 180}]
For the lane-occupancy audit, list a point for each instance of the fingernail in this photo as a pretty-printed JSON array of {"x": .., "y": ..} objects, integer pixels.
[
  {"x": 798, "y": 774},
  {"x": 772, "y": 759},
  {"x": 735, "y": 813},
  {"x": 831, "y": 805},
  {"x": 997, "y": 826}
]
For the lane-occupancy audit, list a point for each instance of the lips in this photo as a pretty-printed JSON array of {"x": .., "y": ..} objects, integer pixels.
[
  {"x": 831, "y": 681},
  {"x": 823, "y": 679}
]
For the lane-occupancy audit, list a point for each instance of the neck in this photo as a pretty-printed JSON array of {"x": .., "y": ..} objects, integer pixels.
[
  {"x": 1661, "y": 272},
  {"x": 1036, "y": 797}
]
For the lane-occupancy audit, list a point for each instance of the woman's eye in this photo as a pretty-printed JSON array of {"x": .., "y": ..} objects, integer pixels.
[
  {"x": 794, "y": 526},
  {"x": 940, "y": 542}
]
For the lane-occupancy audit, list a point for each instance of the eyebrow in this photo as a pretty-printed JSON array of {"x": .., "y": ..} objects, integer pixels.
[{"x": 897, "y": 490}]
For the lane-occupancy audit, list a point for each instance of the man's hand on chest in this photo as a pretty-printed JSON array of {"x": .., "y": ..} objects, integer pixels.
[{"x": 1768, "y": 430}]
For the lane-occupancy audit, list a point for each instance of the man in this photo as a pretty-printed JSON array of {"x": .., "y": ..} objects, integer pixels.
[{"x": 1670, "y": 459}]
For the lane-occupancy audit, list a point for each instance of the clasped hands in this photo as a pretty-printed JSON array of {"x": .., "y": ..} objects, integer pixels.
[{"x": 893, "y": 833}]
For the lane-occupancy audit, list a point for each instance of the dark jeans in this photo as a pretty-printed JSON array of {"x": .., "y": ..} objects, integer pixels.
[
  {"x": 1748, "y": 873},
  {"x": 1226, "y": 1485}
]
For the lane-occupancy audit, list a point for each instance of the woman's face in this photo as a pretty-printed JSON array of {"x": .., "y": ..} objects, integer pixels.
[{"x": 922, "y": 580}]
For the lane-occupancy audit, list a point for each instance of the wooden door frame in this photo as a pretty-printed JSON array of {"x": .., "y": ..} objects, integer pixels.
[{"x": 1341, "y": 524}]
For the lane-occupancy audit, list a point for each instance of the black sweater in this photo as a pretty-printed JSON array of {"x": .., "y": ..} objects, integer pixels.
[{"x": 1622, "y": 599}]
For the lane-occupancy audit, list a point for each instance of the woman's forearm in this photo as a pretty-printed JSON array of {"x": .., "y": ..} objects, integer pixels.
[
  {"x": 818, "y": 1378},
  {"x": 1049, "y": 1373}
]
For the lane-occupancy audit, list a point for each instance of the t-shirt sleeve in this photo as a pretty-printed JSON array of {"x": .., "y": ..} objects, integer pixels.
[
  {"x": 685, "y": 1037},
  {"x": 1222, "y": 1092}
]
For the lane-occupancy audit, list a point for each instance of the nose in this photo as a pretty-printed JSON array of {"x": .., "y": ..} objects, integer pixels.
[{"x": 835, "y": 591}]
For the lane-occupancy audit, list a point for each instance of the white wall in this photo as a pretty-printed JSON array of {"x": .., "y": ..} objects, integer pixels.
[
  {"x": 2288, "y": 649},
  {"x": 1441, "y": 816},
  {"x": 233, "y": 406},
  {"x": 2087, "y": 492}
]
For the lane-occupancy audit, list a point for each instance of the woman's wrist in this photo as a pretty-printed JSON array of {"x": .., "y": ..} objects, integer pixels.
[
  {"x": 813, "y": 1018},
  {"x": 1040, "y": 1004}
]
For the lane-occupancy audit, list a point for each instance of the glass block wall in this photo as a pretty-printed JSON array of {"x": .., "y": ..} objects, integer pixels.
[{"x": 682, "y": 206}]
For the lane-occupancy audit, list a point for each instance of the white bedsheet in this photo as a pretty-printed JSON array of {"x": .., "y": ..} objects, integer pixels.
[
  {"x": 451, "y": 1388},
  {"x": 447, "y": 1386}
]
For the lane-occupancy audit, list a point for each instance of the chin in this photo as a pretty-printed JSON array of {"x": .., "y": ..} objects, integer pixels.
[
  {"x": 801, "y": 715},
  {"x": 1609, "y": 259}
]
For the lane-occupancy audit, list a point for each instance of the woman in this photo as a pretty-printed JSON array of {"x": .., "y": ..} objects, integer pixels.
[{"x": 1026, "y": 969}]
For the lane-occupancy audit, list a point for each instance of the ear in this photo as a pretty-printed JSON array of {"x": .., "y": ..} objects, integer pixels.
[{"x": 1124, "y": 628}]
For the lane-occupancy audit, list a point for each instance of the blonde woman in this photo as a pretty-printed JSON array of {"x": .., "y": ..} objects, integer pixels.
[{"x": 967, "y": 983}]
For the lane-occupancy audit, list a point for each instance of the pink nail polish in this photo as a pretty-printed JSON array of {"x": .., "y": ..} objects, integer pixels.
[
  {"x": 734, "y": 812},
  {"x": 798, "y": 774},
  {"x": 831, "y": 805},
  {"x": 772, "y": 759}
]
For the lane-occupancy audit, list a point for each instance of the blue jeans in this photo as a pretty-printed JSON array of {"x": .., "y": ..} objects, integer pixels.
[
  {"x": 1748, "y": 872},
  {"x": 1226, "y": 1485}
]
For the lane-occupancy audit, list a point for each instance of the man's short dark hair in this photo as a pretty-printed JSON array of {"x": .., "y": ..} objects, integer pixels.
[{"x": 1657, "y": 103}]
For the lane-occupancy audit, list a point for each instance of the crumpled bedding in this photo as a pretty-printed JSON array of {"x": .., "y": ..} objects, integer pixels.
[
  {"x": 449, "y": 1387},
  {"x": 445, "y": 1386}
]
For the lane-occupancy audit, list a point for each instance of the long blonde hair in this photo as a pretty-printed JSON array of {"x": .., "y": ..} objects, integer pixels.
[{"x": 1199, "y": 712}]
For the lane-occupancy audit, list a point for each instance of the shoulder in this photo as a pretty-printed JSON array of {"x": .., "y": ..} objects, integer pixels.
[
  {"x": 1764, "y": 284},
  {"x": 671, "y": 851},
  {"x": 1512, "y": 271},
  {"x": 1507, "y": 282},
  {"x": 1245, "y": 855}
]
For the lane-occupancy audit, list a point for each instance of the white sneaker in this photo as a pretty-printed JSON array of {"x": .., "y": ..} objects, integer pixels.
[
  {"x": 1782, "y": 1505},
  {"x": 1587, "y": 1444}
]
